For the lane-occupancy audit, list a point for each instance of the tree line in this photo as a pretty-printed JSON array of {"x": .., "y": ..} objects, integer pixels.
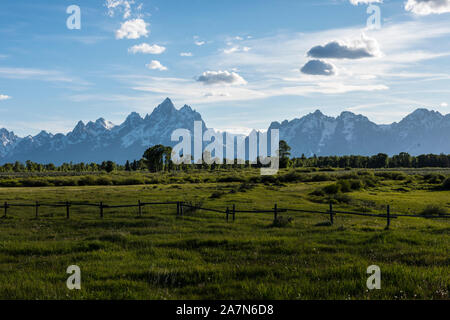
[{"x": 158, "y": 158}]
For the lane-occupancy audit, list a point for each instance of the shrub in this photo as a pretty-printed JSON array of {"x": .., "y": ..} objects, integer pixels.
[
  {"x": 36, "y": 183},
  {"x": 342, "y": 198},
  {"x": 58, "y": 182},
  {"x": 281, "y": 222},
  {"x": 434, "y": 178},
  {"x": 292, "y": 176},
  {"x": 245, "y": 186},
  {"x": 230, "y": 179},
  {"x": 329, "y": 169},
  {"x": 129, "y": 182},
  {"x": 432, "y": 210},
  {"x": 216, "y": 194},
  {"x": 348, "y": 176},
  {"x": 331, "y": 189},
  {"x": 392, "y": 175},
  {"x": 356, "y": 184},
  {"x": 9, "y": 183},
  {"x": 269, "y": 179},
  {"x": 370, "y": 181},
  {"x": 344, "y": 186},
  {"x": 446, "y": 184},
  {"x": 322, "y": 177},
  {"x": 104, "y": 181},
  {"x": 318, "y": 193},
  {"x": 87, "y": 181}
]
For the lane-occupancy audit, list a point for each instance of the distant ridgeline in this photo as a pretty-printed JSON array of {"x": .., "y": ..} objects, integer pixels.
[
  {"x": 421, "y": 132},
  {"x": 402, "y": 160}
]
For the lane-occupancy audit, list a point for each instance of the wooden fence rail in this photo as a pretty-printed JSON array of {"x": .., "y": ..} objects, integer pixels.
[{"x": 228, "y": 212}]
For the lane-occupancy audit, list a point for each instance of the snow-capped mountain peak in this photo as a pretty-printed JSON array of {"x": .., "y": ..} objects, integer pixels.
[{"x": 422, "y": 131}]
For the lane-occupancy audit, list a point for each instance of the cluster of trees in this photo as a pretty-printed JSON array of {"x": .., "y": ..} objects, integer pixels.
[
  {"x": 381, "y": 160},
  {"x": 158, "y": 158},
  {"x": 108, "y": 166}
]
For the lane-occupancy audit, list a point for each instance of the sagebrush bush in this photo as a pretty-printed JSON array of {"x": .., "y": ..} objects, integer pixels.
[
  {"x": 332, "y": 189},
  {"x": 104, "y": 181},
  {"x": 432, "y": 210},
  {"x": 434, "y": 178},
  {"x": 446, "y": 184},
  {"x": 344, "y": 186},
  {"x": 281, "y": 222}
]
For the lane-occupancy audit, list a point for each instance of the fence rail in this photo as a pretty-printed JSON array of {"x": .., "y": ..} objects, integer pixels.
[{"x": 180, "y": 207}]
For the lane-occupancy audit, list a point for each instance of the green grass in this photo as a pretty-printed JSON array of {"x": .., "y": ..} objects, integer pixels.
[{"x": 201, "y": 256}]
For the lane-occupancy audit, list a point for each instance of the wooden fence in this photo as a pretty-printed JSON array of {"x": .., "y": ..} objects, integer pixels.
[{"x": 181, "y": 206}]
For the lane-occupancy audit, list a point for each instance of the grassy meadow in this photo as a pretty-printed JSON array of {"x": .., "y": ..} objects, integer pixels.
[{"x": 202, "y": 256}]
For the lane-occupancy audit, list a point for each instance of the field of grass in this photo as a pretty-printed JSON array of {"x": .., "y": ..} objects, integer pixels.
[{"x": 202, "y": 256}]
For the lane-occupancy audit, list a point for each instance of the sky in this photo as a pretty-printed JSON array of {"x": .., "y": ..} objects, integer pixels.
[{"x": 241, "y": 64}]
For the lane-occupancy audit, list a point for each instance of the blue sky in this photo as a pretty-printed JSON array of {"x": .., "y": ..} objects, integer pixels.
[{"x": 239, "y": 63}]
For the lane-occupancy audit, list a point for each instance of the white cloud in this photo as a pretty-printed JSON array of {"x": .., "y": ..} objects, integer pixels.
[
  {"x": 319, "y": 68},
  {"x": 186, "y": 54},
  {"x": 271, "y": 59},
  {"x": 362, "y": 48},
  {"x": 221, "y": 77},
  {"x": 40, "y": 74},
  {"x": 199, "y": 43},
  {"x": 444, "y": 104},
  {"x": 357, "y": 2},
  {"x": 4, "y": 97},
  {"x": 236, "y": 49},
  {"x": 216, "y": 94},
  {"x": 147, "y": 49},
  {"x": 426, "y": 7},
  {"x": 132, "y": 29},
  {"x": 230, "y": 50},
  {"x": 156, "y": 65},
  {"x": 123, "y": 5}
]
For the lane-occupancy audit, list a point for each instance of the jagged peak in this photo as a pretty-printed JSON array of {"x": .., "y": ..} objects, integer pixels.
[
  {"x": 5, "y": 132},
  {"x": 347, "y": 114},
  {"x": 186, "y": 108},
  {"x": 167, "y": 104},
  {"x": 165, "y": 108},
  {"x": 133, "y": 115},
  {"x": 318, "y": 113},
  {"x": 421, "y": 114},
  {"x": 103, "y": 123},
  {"x": 44, "y": 133},
  {"x": 80, "y": 125}
]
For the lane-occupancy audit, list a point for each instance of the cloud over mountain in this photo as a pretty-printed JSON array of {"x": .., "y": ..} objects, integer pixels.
[
  {"x": 319, "y": 68},
  {"x": 221, "y": 77}
]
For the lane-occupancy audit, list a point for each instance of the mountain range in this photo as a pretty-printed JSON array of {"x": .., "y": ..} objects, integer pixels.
[{"x": 421, "y": 132}]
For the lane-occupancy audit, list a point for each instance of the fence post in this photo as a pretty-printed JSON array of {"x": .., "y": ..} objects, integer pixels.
[
  {"x": 140, "y": 208},
  {"x": 228, "y": 212},
  {"x": 6, "y": 208},
  {"x": 388, "y": 216},
  {"x": 234, "y": 212},
  {"x": 67, "y": 210},
  {"x": 331, "y": 214},
  {"x": 275, "y": 212},
  {"x": 37, "y": 209},
  {"x": 101, "y": 210}
]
